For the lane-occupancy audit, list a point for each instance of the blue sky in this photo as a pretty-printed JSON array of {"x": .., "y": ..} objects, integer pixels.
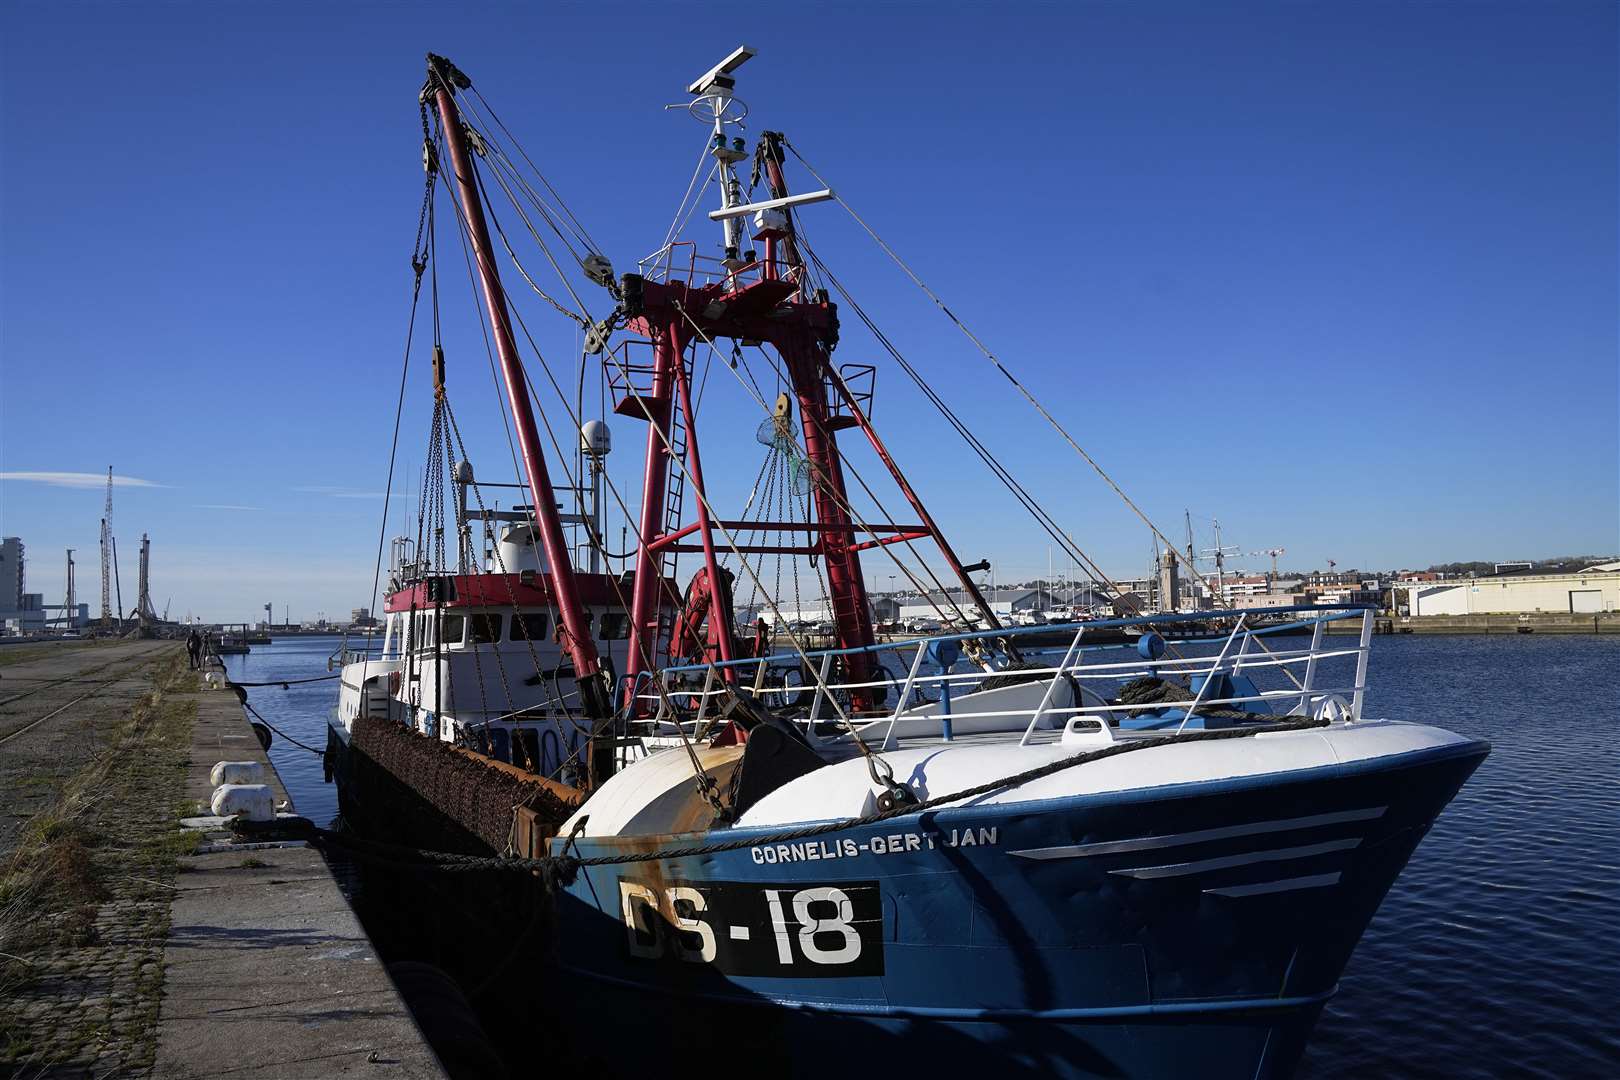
[{"x": 1342, "y": 276}]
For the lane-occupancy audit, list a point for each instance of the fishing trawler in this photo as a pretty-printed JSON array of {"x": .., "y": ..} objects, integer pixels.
[{"x": 1125, "y": 856}]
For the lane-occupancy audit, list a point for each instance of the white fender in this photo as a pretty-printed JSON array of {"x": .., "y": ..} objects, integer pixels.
[
  {"x": 255, "y": 802},
  {"x": 236, "y": 772}
]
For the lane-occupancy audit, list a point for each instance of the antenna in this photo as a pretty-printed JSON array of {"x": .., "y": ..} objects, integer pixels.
[
  {"x": 713, "y": 103},
  {"x": 720, "y": 74}
]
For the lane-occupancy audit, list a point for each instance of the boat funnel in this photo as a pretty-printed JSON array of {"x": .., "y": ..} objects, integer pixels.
[{"x": 519, "y": 552}]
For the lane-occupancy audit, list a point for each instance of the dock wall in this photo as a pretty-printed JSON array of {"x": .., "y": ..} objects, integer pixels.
[{"x": 1604, "y": 622}]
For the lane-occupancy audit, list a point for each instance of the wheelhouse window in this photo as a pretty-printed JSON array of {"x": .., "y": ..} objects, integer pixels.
[
  {"x": 452, "y": 629},
  {"x": 486, "y": 628},
  {"x": 615, "y": 625},
  {"x": 530, "y": 626},
  {"x": 424, "y": 631}
]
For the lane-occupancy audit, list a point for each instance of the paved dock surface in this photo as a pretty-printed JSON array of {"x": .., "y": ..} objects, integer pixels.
[
  {"x": 123, "y": 952},
  {"x": 59, "y": 704},
  {"x": 267, "y": 972},
  {"x": 90, "y": 738}
]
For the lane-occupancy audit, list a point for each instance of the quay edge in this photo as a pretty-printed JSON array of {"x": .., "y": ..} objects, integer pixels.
[
  {"x": 1541, "y": 622},
  {"x": 266, "y": 965}
]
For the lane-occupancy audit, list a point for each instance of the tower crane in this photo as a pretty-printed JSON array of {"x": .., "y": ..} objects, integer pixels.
[{"x": 1273, "y": 552}]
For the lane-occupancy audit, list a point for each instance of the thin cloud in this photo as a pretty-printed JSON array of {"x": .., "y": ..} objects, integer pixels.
[
  {"x": 225, "y": 506},
  {"x": 78, "y": 479}
]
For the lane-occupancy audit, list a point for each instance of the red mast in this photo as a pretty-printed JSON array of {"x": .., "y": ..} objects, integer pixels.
[
  {"x": 770, "y": 154},
  {"x": 762, "y": 301},
  {"x": 443, "y": 80}
]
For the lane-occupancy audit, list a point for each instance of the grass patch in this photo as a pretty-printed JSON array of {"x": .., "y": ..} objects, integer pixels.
[
  {"x": 104, "y": 849},
  {"x": 19, "y": 654},
  {"x": 161, "y": 851}
]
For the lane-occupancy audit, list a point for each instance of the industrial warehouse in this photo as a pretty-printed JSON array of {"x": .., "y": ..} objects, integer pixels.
[{"x": 1518, "y": 590}]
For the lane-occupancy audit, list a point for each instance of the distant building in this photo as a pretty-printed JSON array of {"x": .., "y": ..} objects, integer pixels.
[
  {"x": 1352, "y": 593},
  {"x": 361, "y": 617},
  {"x": 11, "y": 575},
  {"x": 1270, "y": 600},
  {"x": 20, "y": 612},
  {"x": 1247, "y": 585},
  {"x": 1003, "y": 602},
  {"x": 1521, "y": 591}
]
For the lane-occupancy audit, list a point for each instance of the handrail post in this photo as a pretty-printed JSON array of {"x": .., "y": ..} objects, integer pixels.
[
  {"x": 1209, "y": 677},
  {"x": 1243, "y": 650},
  {"x": 1046, "y": 698},
  {"x": 905, "y": 694},
  {"x": 663, "y": 699},
  {"x": 1310, "y": 668},
  {"x": 821, "y": 693},
  {"x": 703, "y": 703},
  {"x": 1361, "y": 664}
]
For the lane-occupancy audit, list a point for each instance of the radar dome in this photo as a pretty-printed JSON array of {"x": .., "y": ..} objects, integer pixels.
[{"x": 595, "y": 438}]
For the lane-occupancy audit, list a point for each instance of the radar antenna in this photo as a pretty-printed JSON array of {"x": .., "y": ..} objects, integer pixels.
[{"x": 713, "y": 103}]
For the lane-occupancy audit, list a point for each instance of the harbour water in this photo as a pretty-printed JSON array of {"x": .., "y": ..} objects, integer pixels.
[{"x": 1493, "y": 956}]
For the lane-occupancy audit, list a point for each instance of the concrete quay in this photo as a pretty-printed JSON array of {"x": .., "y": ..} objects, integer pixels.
[
  {"x": 130, "y": 946},
  {"x": 1538, "y": 622}
]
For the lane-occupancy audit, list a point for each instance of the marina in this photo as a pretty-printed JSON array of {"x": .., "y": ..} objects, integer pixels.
[{"x": 624, "y": 760}]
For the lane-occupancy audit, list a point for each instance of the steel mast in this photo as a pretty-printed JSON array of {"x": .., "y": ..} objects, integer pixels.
[
  {"x": 786, "y": 248},
  {"x": 106, "y": 557},
  {"x": 442, "y": 82},
  {"x": 69, "y": 607}
]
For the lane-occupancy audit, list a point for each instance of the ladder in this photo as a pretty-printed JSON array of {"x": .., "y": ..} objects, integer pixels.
[{"x": 674, "y": 503}]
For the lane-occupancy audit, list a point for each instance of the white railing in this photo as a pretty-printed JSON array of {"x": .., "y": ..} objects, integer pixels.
[
  {"x": 681, "y": 703},
  {"x": 679, "y": 261}
]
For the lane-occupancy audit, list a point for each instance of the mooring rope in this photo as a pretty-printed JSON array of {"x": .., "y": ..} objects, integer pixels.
[
  {"x": 284, "y": 683},
  {"x": 278, "y": 731}
]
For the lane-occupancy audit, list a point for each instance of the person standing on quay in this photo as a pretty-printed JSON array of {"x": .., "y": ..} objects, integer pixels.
[{"x": 194, "y": 648}]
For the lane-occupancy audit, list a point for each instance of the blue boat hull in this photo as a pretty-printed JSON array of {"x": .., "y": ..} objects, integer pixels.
[{"x": 1187, "y": 930}]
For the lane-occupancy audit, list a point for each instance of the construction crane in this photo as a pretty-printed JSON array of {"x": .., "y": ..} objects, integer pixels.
[{"x": 106, "y": 557}]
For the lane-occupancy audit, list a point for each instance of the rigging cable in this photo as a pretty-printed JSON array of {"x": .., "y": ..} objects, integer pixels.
[
  {"x": 1010, "y": 377},
  {"x": 705, "y": 783},
  {"x": 843, "y": 500},
  {"x": 420, "y": 258},
  {"x": 579, "y": 227}
]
